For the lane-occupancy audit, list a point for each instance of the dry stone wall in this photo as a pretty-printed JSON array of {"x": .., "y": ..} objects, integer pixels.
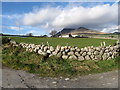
[{"x": 74, "y": 53}]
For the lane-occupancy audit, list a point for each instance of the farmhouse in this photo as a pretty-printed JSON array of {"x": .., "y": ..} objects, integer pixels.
[{"x": 67, "y": 35}]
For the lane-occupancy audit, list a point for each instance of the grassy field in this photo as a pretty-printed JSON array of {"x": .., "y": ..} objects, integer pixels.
[
  {"x": 105, "y": 35},
  {"x": 79, "y": 42}
]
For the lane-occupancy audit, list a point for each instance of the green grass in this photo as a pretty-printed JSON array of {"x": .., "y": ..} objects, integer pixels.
[
  {"x": 18, "y": 58},
  {"x": 79, "y": 42},
  {"x": 105, "y": 35}
]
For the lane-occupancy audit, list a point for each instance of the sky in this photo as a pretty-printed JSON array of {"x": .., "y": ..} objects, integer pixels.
[{"x": 40, "y": 18}]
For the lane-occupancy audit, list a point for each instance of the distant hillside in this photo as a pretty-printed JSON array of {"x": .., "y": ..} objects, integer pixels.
[
  {"x": 78, "y": 31},
  {"x": 116, "y": 33}
]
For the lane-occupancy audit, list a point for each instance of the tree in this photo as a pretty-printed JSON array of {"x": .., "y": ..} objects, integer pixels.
[
  {"x": 44, "y": 36},
  {"x": 53, "y": 32},
  {"x": 70, "y": 35},
  {"x": 29, "y": 34}
]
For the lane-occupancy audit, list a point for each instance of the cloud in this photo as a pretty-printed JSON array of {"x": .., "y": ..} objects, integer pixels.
[
  {"x": 13, "y": 28},
  {"x": 98, "y": 17},
  {"x": 110, "y": 29},
  {"x": 32, "y": 31},
  {"x": 41, "y": 17},
  {"x": 12, "y": 17}
]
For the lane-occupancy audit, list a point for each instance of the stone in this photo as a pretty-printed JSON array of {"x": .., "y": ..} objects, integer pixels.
[
  {"x": 44, "y": 54},
  {"x": 73, "y": 57},
  {"x": 42, "y": 47},
  {"x": 69, "y": 47},
  {"x": 54, "y": 53},
  {"x": 67, "y": 50},
  {"x": 51, "y": 49},
  {"x": 97, "y": 48},
  {"x": 58, "y": 47},
  {"x": 81, "y": 52},
  {"x": 101, "y": 52},
  {"x": 59, "y": 54},
  {"x": 72, "y": 49},
  {"x": 35, "y": 50},
  {"x": 109, "y": 58},
  {"x": 66, "y": 47},
  {"x": 104, "y": 57},
  {"x": 113, "y": 56},
  {"x": 116, "y": 47},
  {"x": 64, "y": 53},
  {"x": 92, "y": 56},
  {"x": 51, "y": 55},
  {"x": 92, "y": 46},
  {"x": 107, "y": 51},
  {"x": 45, "y": 48},
  {"x": 96, "y": 52},
  {"x": 110, "y": 53},
  {"x": 37, "y": 47},
  {"x": 33, "y": 46},
  {"x": 78, "y": 50},
  {"x": 80, "y": 58},
  {"x": 111, "y": 48},
  {"x": 115, "y": 53},
  {"x": 65, "y": 57},
  {"x": 62, "y": 48},
  {"x": 77, "y": 54},
  {"x": 48, "y": 51},
  {"x": 70, "y": 53},
  {"x": 98, "y": 57},
  {"x": 12, "y": 42},
  {"x": 91, "y": 50},
  {"x": 26, "y": 49},
  {"x": 86, "y": 49},
  {"x": 87, "y": 57},
  {"x": 82, "y": 49},
  {"x": 89, "y": 53},
  {"x": 54, "y": 82},
  {"x": 57, "y": 51},
  {"x": 39, "y": 51},
  {"x": 67, "y": 79},
  {"x": 84, "y": 54}
]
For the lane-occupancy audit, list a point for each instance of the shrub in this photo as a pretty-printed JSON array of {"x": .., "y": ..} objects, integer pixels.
[{"x": 5, "y": 40}]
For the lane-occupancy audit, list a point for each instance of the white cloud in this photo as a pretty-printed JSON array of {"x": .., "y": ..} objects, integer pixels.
[
  {"x": 14, "y": 28},
  {"x": 42, "y": 16},
  {"x": 32, "y": 31},
  {"x": 110, "y": 29},
  {"x": 12, "y": 17},
  {"x": 97, "y": 17}
]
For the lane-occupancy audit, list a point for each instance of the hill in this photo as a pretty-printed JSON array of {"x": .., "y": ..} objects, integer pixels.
[{"x": 78, "y": 31}]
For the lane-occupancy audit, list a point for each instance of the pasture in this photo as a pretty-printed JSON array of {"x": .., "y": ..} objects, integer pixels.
[{"x": 79, "y": 42}]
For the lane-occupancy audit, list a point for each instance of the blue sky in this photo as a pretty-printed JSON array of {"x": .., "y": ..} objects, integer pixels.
[{"x": 40, "y": 18}]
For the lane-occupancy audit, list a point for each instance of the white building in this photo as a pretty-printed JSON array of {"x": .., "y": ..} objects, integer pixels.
[{"x": 66, "y": 36}]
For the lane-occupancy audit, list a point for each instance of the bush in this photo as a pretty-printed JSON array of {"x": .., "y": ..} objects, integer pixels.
[{"x": 5, "y": 40}]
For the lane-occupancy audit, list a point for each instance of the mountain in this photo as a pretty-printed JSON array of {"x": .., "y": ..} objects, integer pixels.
[
  {"x": 78, "y": 31},
  {"x": 116, "y": 33}
]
